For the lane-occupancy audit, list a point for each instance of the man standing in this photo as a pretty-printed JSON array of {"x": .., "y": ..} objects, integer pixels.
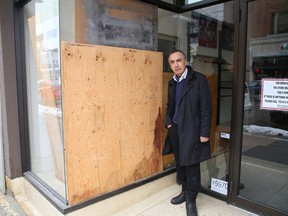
[{"x": 188, "y": 120}]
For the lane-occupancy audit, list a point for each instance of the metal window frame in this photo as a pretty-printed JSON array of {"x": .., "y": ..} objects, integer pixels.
[{"x": 181, "y": 7}]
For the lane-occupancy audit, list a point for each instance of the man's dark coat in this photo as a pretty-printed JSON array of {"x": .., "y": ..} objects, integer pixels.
[{"x": 195, "y": 111}]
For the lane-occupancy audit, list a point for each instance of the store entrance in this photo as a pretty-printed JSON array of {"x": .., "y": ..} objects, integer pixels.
[
  {"x": 210, "y": 51},
  {"x": 264, "y": 149}
]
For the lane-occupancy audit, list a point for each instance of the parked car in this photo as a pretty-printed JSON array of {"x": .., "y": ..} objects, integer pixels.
[
  {"x": 255, "y": 89},
  {"x": 270, "y": 67}
]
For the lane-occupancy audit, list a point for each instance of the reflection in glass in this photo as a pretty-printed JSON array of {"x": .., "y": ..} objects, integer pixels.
[
  {"x": 208, "y": 28},
  {"x": 200, "y": 34},
  {"x": 264, "y": 165},
  {"x": 44, "y": 92},
  {"x": 192, "y": 1}
]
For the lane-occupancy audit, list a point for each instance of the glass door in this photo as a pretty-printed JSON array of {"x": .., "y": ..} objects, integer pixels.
[
  {"x": 262, "y": 184},
  {"x": 206, "y": 36},
  {"x": 210, "y": 51}
]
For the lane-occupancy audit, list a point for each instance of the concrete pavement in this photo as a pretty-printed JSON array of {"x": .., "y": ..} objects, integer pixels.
[
  {"x": 9, "y": 206},
  {"x": 156, "y": 202}
]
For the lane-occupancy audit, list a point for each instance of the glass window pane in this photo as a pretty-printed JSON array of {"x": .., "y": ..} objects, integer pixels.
[
  {"x": 192, "y": 1},
  {"x": 206, "y": 36},
  {"x": 280, "y": 22},
  {"x": 210, "y": 48},
  {"x": 167, "y": 35},
  {"x": 43, "y": 75},
  {"x": 264, "y": 166}
]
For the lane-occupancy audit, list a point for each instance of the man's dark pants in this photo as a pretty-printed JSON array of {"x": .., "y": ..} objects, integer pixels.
[{"x": 189, "y": 176}]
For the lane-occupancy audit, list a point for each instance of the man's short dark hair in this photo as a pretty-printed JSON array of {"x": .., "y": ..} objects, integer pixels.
[{"x": 175, "y": 50}]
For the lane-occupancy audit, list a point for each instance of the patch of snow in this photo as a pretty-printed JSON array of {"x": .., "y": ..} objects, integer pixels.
[{"x": 268, "y": 131}]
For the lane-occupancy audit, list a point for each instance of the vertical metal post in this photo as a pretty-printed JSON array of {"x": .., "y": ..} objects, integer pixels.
[{"x": 2, "y": 172}]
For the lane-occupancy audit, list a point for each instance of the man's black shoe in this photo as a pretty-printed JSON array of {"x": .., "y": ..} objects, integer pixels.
[
  {"x": 191, "y": 209},
  {"x": 179, "y": 199}
]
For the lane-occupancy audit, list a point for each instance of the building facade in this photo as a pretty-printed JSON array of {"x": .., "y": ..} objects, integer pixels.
[{"x": 68, "y": 67}]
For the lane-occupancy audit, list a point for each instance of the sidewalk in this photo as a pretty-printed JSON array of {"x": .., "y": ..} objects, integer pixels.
[
  {"x": 156, "y": 203},
  {"x": 157, "y": 206},
  {"x": 9, "y": 206},
  {"x": 207, "y": 206}
]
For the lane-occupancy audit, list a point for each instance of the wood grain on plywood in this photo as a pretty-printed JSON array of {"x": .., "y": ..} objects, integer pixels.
[{"x": 112, "y": 110}]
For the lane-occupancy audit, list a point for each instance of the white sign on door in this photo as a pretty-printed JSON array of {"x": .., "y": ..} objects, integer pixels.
[
  {"x": 219, "y": 186},
  {"x": 274, "y": 94}
]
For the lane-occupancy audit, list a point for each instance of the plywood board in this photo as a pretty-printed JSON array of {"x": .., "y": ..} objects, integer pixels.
[{"x": 112, "y": 113}]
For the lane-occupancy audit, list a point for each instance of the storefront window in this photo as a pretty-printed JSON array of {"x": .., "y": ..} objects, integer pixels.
[
  {"x": 43, "y": 75},
  {"x": 206, "y": 36},
  {"x": 264, "y": 163}
]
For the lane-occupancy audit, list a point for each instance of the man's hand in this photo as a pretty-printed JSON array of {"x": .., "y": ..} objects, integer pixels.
[{"x": 204, "y": 139}]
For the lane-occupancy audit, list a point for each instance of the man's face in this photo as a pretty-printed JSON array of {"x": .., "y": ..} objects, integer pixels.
[{"x": 177, "y": 63}]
